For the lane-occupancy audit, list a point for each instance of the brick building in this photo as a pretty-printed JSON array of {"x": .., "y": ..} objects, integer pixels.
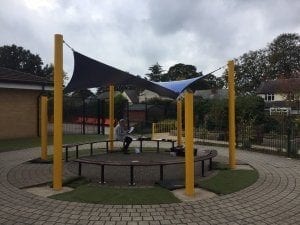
[{"x": 19, "y": 103}]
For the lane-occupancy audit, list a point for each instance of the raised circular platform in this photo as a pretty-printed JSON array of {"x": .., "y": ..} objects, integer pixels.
[{"x": 147, "y": 167}]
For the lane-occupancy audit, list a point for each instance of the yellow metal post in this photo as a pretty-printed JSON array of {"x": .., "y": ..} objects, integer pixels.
[
  {"x": 179, "y": 122},
  {"x": 44, "y": 126},
  {"x": 111, "y": 116},
  {"x": 189, "y": 144},
  {"x": 231, "y": 109},
  {"x": 153, "y": 130},
  {"x": 58, "y": 105}
]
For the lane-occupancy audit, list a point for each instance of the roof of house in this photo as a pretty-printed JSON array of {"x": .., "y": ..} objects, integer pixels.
[
  {"x": 14, "y": 76},
  {"x": 279, "y": 86},
  {"x": 105, "y": 95},
  {"x": 212, "y": 93},
  {"x": 132, "y": 95}
]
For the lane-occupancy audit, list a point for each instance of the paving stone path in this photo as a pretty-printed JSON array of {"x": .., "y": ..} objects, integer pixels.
[{"x": 273, "y": 199}]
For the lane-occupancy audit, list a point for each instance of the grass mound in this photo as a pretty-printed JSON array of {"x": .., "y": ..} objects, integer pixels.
[
  {"x": 229, "y": 181},
  {"x": 225, "y": 182},
  {"x": 92, "y": 193}
]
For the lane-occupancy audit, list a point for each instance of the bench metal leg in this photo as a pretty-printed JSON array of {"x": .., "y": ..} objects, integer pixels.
[
  {"x": 161, "y": 177},
  {"x": 77, "y": 152},
  {"x": 102, "y": 175},
  {"x": 131, "y": 177},
  {"x": 202, "y": 168},
  {"x": 141, "y": 146},
  {"x": 210, "y": 164},
  {"x": 79, "y": 169},
  {"x": 106, "y": 146},
  {"x": 66, "y": 154},
  {"x": 91, "y": 149}
]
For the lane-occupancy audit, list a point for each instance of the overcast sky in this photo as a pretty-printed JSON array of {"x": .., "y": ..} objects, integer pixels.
[{"x": 135, "y": 34}]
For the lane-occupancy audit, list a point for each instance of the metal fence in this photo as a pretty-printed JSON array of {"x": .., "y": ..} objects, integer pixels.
[
  {"x": 283, "y": 138},
  {"x": 80, "y": 116}
]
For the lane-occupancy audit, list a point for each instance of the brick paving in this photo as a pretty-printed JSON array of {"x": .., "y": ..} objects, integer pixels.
[{"x": 273, "y": 199}]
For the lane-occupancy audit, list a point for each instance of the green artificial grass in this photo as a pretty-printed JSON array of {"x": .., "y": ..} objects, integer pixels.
[
  {"x": 229, "y": 181},
  {"x": 225, "y": 182},
  {"x": 92, "y": 193},
  {"x": 23, "y": 143}
]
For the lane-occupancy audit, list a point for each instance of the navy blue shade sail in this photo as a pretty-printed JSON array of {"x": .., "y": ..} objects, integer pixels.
[{"x": 89, "y": 73}]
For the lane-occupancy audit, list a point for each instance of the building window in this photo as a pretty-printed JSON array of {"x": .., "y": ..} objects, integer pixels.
[{"x": 269, "y": 97}]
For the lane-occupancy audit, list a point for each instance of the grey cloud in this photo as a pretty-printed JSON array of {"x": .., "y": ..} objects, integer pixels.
[{"x": 133, "y": 35}]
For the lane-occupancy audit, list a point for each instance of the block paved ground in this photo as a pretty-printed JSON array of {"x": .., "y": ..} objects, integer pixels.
[{"x": 273, "y": 199}]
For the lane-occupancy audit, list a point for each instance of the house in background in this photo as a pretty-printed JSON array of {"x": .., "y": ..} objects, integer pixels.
[
  {"x": 212, "y": 93},
  {"x": 281, "y": 95},
  {"x": 147, "y": 95},
  {"x": 19, "y": 101},
  {"x": 132, "y": 96}
]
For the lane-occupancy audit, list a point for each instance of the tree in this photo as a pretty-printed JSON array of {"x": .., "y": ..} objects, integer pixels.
[
  {"x": 181, "y": 71},
  {"x": 120, "y": 106},
  {"x": 48, "y": 71},
  {"x": 250, "y": 71},
  {"x": 83, "y": 94},
  {"x": 280, "y": 59},
  {"x": 18, "y": 58},
  {"x": 284, "y": 56},
  {"x": 214, "y": 82},
  {"x": 156, "y": 72}
]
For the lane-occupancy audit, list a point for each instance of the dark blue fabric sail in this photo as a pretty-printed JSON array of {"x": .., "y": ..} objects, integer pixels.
[{"x": 89, "y": 73}]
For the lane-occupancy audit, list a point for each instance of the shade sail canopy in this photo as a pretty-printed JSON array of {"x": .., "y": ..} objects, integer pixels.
[
  {"x": 89, "y": 73},
  {"x": 179, "y": 86}
]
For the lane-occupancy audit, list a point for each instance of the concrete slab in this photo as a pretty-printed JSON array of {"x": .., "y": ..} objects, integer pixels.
[
  {"x": 244, "y": 167},
  {"x": 46, "y": 191},
  {"x": 199, "y": 195}
]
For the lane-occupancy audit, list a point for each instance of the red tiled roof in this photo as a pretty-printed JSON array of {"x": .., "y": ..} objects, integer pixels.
[
  {"x": 14, "y": 76},
  {"x": 291, "y": 85}
]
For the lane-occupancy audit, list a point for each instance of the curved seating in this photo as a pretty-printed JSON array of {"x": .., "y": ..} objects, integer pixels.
[{"x": 209, "y": 155}]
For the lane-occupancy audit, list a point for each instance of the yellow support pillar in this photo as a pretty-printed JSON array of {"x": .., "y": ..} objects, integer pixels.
[
  {"x": 153, "y": 130},
  {"x": 44, "y": 126},
  {"x": 58, "y": 105},
  {"x": 111, "y": 116},
  {"x": 179, "y": 122},
  {"x": 189, "y": 144},
  {"x": 231, "y": 109}
]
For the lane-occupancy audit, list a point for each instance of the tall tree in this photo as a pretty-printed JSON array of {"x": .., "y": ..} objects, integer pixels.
[
  {"x": 156, "y": 72},
  {"x": 18, "y": 58},
  {"x": 284, "y": 56},
  {"x": 280, "y": 59},
  {"x": 181, "y": 71},
  {"x": 250, "y": 69},
  {"x": 214, "y": 82}
]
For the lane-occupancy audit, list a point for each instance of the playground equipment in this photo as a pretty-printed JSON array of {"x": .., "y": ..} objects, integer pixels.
[{"x": 117, "y": 77}]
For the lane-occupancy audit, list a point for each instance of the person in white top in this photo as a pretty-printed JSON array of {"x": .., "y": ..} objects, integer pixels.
[{"x": 121, "y": 134}]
